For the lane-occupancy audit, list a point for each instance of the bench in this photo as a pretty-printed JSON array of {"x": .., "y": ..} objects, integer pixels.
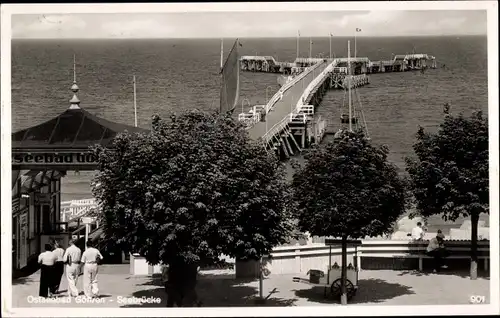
[{"x": 456, "y": 249}]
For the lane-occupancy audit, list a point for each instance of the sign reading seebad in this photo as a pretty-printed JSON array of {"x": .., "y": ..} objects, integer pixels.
[{"x": 53, "y": 158}]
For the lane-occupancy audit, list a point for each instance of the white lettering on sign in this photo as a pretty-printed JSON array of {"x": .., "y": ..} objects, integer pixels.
[{"x": 52, "y": 158}]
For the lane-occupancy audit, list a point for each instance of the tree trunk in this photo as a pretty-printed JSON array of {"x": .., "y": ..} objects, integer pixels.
[
  {"x": 343, "y": 289},
  {"x": 474, "y": 220},
  {"x": 181, "y": 285}
]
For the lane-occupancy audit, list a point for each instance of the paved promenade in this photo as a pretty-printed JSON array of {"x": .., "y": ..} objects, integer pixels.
[
  {"x": 284, "y": 106},
  {"x": 219, "y": 288}
]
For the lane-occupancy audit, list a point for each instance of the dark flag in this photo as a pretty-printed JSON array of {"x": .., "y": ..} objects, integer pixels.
[{"x": 230, "y": 84}]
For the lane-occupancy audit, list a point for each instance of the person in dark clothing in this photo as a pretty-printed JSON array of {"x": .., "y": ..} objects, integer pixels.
[
  {"x": 58, "y": 266},
  {"x": 436, "y": 250},
  {"x": 46, "y": 260}
]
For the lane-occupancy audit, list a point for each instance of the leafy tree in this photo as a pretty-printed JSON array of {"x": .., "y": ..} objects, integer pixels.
[
  {"x": 449, "y": 175},
  {"x": 347, "y": 189},
  {"x": 190, "y": 190}
]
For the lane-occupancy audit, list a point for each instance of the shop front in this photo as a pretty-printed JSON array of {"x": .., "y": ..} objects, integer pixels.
[{"x": 41, "y": 155}]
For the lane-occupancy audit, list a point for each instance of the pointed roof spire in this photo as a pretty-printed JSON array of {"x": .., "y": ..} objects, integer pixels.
[{"x": 75, "y": 102}]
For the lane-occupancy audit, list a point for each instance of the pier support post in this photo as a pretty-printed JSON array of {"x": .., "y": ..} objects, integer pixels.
[
  {"x": 287, "y": 155},
  {"x": 294, "y": 141},
  {"x": 288, "y": 146},
  {"x": 303, "y": 138}
]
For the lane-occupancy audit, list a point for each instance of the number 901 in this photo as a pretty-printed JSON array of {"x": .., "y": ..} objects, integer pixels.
[{"x": 477, "y": 299}]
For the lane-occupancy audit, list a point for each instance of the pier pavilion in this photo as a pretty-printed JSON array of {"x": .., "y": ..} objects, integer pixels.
[{"x": 41, "y": 156}]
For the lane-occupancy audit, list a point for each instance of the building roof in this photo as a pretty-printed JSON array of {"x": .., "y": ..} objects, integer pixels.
[{"x": 74, "y": 128}]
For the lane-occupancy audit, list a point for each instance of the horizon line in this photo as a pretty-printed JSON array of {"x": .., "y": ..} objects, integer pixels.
[{"x": 249, "y": 37}]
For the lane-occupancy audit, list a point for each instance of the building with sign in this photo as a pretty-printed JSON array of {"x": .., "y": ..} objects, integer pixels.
[{"x": 41, "y": 155}]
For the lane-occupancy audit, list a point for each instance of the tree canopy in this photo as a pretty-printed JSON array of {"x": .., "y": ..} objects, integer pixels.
[
  {"x": 192, "y": 189},
  {"x": 450, "y": 174},
  {"x": 347, "y": 188}
]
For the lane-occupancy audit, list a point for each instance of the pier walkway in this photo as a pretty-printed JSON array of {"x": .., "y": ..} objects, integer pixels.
[
  {"x": 286, "y": 103},
  {"x": 286, "y": 123}
]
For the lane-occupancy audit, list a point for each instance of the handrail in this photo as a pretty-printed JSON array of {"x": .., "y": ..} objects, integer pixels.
[
  {"x": 287, "y": 119},
  {"x": 276, "y": 97},
  {"x": 282, "y": 123}
]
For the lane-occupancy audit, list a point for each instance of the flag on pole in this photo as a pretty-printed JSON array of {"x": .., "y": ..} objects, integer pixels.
[
  {"x": 230, "y": 83},
  {"x": 358, "y": 30}
]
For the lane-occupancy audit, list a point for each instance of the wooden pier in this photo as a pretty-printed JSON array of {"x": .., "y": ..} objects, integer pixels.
[
  {"x": 287, "y": 124},
  {"x": 360, "y": 65}
]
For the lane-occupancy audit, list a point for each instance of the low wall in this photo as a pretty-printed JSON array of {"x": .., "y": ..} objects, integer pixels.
[{"x": 372, "y": 254}]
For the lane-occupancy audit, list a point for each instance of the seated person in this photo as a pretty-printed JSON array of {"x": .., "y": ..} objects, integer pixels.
[
  {"x": 437, "y": 250},
  {"x": 417, "y": 233}
]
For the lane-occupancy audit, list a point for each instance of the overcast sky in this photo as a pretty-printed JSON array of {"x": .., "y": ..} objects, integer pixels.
[{"x": 249, "y": 24}]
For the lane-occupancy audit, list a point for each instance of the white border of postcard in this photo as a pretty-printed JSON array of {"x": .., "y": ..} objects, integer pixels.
[{"x": 350, "y": 310}]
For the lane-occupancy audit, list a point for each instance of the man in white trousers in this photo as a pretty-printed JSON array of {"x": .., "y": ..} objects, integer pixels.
[
  {"x": 90, "y": 258},
  {"x": 71, "y": 258}
]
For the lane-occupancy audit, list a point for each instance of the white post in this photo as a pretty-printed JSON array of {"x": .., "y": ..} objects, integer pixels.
[
  {"x": 135, "y": 104},
  {"x": 349, "y": 82}
]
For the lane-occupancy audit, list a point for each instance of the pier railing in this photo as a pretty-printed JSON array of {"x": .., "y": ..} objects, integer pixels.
[
  {"x": 288, "y": 85},
  {"x": 251, "y": 117},
  {"x": 318, "y": 80},
  {"x": 278, "y": 127}
]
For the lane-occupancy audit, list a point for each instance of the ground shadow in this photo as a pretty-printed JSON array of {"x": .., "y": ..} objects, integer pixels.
[
  {"x": 24, "y": 280},
  {"x": 460, "y": 273},
  {"x": 369, "y": 291},
  {"x": 214, "y": 292}
]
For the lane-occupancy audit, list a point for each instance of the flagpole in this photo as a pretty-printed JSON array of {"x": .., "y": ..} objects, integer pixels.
[
  {"x": 349, "y": 82},
  {"x": 355, "y": 47},
  {"x": 330, "y": 46},
  {"x": 135, "y": 103},
  {"x": 310, "y": 49},
  {"x": 221, "y": 53},
  {"x": 298, "y": 38}
]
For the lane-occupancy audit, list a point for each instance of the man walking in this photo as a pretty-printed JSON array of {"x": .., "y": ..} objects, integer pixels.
[
  {"x": 72, "y": 260},
  {"x": 58, "y": 266},
  {"x": 46, "y": 261},
  {"x": 90, "y": 258}
]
